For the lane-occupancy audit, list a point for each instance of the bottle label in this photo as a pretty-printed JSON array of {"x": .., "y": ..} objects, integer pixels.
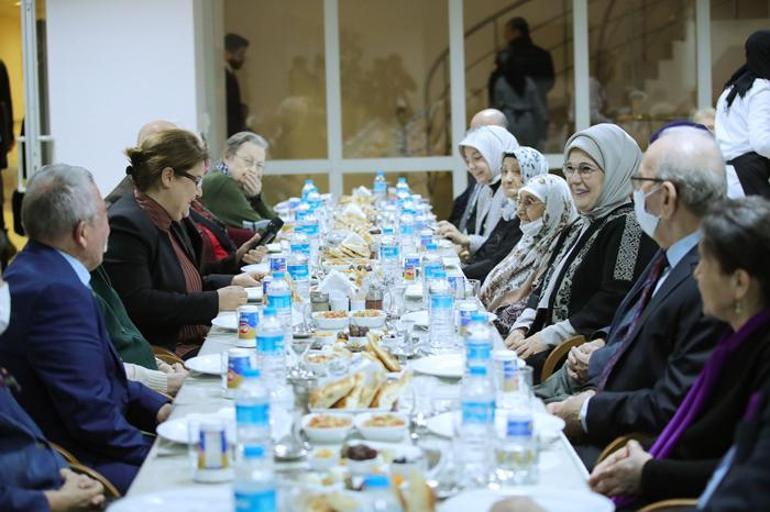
[
  {"x": 281, "y": 302},
  {"x": 269, "y": 345},
  {"x": 411, "y": 262},
  {"x": 212, "y": 448},
  {"x": 379, "y": 186},
  {"x": 441, "y": 302},
  {"x": 478, "y": 412},
  {"x": 434, "y": 271},
  {"x": 277, "y": 264},
  {"x": 311, "y": 229},
  {"x": 252, "y": 414},
  {"x": 518, "y": 427},
  {"x": 479, "y": 351},
  {"x": 298, "y": 272},
  {"x": 301, "y": 249},
  {"x": 389, "y": 252},
  {"x": 260, "y": 501}
]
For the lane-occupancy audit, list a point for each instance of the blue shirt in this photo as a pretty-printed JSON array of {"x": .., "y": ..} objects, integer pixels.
[{"x": 80, "y": 270}]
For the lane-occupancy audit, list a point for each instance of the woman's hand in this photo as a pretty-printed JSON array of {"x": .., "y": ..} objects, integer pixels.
[
  {"x": 531, "y": 346},
  {"x": 176, "y": 375},
  {"x": 230, "y": 297},
  {"x": 255, "y": 255},
  {"x": 515, "y": 338},
  {"x": 450, "y": 232},
  {"x": 250, "y": 184},
  {"x": 621, "y": 472},
  {"x": 246, "y": 250},
  {"x": 247, "y": 279}
]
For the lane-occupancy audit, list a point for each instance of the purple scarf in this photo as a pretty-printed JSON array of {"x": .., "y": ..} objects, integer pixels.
[{"x": 700, "y": 391}]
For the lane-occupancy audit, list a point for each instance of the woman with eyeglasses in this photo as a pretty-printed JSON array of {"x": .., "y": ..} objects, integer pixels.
[
  {"x": 598, "y": 257},
  {"x": 233, "y": 192},
  {"x": 154, "y": 254}
]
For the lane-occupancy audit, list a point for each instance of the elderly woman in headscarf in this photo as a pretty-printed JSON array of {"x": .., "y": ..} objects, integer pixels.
[
  {"x": 545, "y": 208},
  {"x": 601, "y": 254},
  {"x": 482, "y": 149},
  {"x": 742, "y": 123},
  {"x": 519, "y": 166}
]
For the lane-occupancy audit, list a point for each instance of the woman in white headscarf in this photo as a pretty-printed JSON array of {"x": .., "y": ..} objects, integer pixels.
[
  {"x": 545, "y": 208},
  {"x": 518, "y": 167},
  {"x": 598, "y": 257},
  {"x": 482, "y": 149}
]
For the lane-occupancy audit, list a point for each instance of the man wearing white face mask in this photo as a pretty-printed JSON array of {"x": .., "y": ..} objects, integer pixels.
[{"x": 659, "y": 337}]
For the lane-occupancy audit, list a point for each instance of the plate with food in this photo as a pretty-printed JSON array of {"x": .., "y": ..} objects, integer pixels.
[
  {"x": 377, "y": 426},
  {"x": 331, "y": 320}
]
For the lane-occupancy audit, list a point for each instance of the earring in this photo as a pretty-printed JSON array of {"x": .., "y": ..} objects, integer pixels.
[{"x": 738, "y": 307}]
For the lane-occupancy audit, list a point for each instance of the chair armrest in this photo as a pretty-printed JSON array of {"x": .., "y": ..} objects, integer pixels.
[
  {"x": 671, "y": 505},
  {"x": 110, "y": 491},
  {"x": 166, "y": 355},
  {"x": 558, "y": 355}
]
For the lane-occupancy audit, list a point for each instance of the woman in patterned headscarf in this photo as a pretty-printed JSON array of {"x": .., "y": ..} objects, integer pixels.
[
  {"x": 600, "y": 255},
  {"x": 545, "y": 208}
]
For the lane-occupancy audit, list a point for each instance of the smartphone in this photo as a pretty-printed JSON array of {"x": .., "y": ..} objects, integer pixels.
[{"x": 269, "y": 233}]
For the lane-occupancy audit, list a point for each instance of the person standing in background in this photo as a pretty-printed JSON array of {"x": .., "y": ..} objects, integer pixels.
[
  {"x": 235, "y": 56},
  {"x": 7, "y": 141}
]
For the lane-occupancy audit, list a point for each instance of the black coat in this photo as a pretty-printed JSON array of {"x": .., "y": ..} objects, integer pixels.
[
  {"x": 685, "y": 472},
  {"x": 234, "y": 108},
  {"x": 669, "y": 345},
  {"x": 500, "y": 242},
  {"x": 460, "y": 203},
  {"x": 746, "y": 485},
  {"x": 146, "y": 273}
]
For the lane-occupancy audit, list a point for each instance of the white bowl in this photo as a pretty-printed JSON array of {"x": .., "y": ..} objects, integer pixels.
[
  {"x": 324, "y": 463},
  {"x": 329, "y": 324},
  {"x": 377, "y": 320},
  {"x": 388, "y": 434},
  {"x": 331, "y": 435}
]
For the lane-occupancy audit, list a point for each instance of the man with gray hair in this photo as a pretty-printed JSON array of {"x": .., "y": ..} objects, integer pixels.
[
  {"x": 659, "y": 338},
  {"x": 72, "y": 381}
]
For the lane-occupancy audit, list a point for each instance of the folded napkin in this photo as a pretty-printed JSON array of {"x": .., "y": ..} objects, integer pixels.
[
  {"x": 353, "y": 239},
  {"x": 337, "y": 281},
  {"x": 354, "y": 210},
  {"x": 362, "y": 191}
]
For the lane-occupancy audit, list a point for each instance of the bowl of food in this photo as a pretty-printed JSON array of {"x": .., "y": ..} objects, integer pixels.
[
  {"x": 324, "y": 338},
  {"x": 389, "y": 427},
  {"x": 327, "y": 428},
  {"x": 331, "y": 320},
  {"x": 328, "y": 360},
  {"x": 372, "y": 318},
  {"x": 362, "y": 459},
  {"x": 323, "y": 459}
]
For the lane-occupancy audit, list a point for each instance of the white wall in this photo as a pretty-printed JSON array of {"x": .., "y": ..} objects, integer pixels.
[{"x": 113, "y": 66}]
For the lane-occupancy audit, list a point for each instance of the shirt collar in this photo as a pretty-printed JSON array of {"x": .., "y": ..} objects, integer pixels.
[
  {"x": 681, "y": 247},
  {"x": 80, "y": 270}
]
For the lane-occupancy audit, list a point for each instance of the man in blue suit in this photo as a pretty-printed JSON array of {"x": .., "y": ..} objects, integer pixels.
[{"x": 72, "y": 381}]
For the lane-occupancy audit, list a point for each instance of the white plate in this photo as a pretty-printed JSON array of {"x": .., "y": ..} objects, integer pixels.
[
  {"x": 207, "y": 498},
  {"x": 444, "y": 365},
  {"x": 254, "y": 293},
  {"x": 546, "y": 425},
  {"x": 550, "y": 499},
  {"x": 274, "y": 247},
  {"x": 176, "y": 429},
  {"x": 228, "y": 320},
  {"x": 210, "y": 364},
  {"x": 263, "y": 267},
  {"x": 420, "y": 318},
  {"x": 413, "y": 291}
]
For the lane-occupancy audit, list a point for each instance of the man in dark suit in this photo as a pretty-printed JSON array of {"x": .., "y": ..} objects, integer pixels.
[
  {"x": 72, "y": 381},
  {"x": 235, "y": 56},
  {"x": 659, "y": 338}
]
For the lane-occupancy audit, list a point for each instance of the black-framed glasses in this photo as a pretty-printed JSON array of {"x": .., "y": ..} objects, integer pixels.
[
  {"x": 198, "y": 180},
  {"x": 637, "y": 181}
]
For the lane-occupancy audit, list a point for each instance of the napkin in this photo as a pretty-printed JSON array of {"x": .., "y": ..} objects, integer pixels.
[
  {"x": 354, "y": 239},
  {"x": 337, "y": 281},
  {"x": 354, "y": 210},
  {"x": 362, "y": 191}
]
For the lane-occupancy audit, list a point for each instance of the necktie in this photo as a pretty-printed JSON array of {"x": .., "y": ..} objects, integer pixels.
[{"x": 632, "y": 317}]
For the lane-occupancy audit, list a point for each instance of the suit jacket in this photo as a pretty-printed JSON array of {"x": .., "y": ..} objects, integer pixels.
[
  {"x": 72, "y": 381},
  {"x": 669, "y": 345},
  {"x": 686, "y": 470},
  {"x": 501, "y": 241},
  {"x": 145, "y": 272},
  {"x": 746, "y": 485},
  {"x": 28, "y": 465},
  {"x": 235, "y": 121}
]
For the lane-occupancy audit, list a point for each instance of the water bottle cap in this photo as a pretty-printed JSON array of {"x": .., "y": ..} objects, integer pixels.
[{"x": 376, "y": 482}]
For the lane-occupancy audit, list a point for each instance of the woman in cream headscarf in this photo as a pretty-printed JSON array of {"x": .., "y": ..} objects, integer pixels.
[
  {"x": 601, "y": 254},
  {"x": 545, "y": 208},
  {"x": 518, "y": 167},
  {"x": 482, "y": 149}
]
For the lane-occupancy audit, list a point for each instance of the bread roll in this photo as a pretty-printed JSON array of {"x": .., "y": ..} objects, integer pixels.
[
  {"x": 388, "y": 361},
  {"x": 351, "y": 400},
  {"x": 325, "y": 396},
  {"x": 389, "y": 392}
]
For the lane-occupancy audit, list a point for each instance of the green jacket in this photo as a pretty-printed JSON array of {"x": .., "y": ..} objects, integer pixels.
[
  {"x": 128, "y": 341},
  {"x": 225, "y": 199}
]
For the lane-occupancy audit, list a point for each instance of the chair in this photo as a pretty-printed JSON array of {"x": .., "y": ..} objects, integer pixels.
[
  {"x": 618, "y": 443},
  {"x": 109, "y": 490},
  {"x": 166, "y": 355},
  {"x": 671, "y": 505},
  {"x": 558, "y": 355},
  {"x": 68, "y": 456}
]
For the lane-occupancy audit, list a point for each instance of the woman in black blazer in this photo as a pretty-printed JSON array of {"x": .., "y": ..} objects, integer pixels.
[
  {"x": 734, "y": 281},
  {"x": 154, "y": 251}
]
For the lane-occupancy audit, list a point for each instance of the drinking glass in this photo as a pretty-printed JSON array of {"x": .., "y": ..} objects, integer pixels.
[
  {"x": 472, "y": 288},
  {"x": 299, "y": 346}
]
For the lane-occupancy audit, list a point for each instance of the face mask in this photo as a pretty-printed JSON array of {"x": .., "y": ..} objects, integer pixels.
[
  {"x": 532, "y": 228},
  {"x": 5, "y": 307},
  {"x": 647, "y": 221}
]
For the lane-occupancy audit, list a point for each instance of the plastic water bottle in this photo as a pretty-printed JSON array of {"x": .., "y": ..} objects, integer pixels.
[
  {"x": 402, "y": 188},
  {"x": 406, "y": 234},
  {"x": 382, "y": 499},
  {"x": 300, "y": 243},
  {"x": 516, "y": 451},
  {"x": 474, "y": 436},
  {"x": 432, "y": 268},
  {"x": 441, "y": 328},
  {"x": 271, "y": 347},
  {"x": 478, "y": 344},
  {"x": 390, "y": 258},
  {"x": 279, "y": 298},
  {"x": 307, "y": 188},
  {"x": 310, "y": 227},
  {"x": 300, "y": 274},
  {"x": 255, "y": 485},
  {"x": 380, "y": 187}
]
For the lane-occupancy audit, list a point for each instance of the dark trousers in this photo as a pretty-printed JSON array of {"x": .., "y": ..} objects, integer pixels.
[{"x": 753, "y": 172}]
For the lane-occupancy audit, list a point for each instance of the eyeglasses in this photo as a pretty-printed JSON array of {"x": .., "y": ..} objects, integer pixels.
[
  {"x": 198, "y": 180},
  {"x": 583, "y": 170},
  {"x": 637, "y": 181},
  {"x": 251, "y": 162}
]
